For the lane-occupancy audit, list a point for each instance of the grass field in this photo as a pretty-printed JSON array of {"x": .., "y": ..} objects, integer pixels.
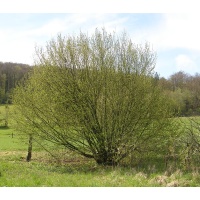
[
  {"x": 19, "y": 173},
  {"x": 9, "y": 141},
  {"x": 76, "y": 171}
]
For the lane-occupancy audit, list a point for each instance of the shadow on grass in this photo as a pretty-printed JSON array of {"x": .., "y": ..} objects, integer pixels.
[
  {"x": 90, "y": 167},
  {"x": 4, "y": 127},
  {"x": 79, "y": 165}
]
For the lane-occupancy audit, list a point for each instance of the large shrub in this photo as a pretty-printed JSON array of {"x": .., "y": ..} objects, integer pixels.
[{"x": 95, "y": 95}]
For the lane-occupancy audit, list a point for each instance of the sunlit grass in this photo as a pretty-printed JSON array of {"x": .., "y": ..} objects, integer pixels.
[
  {"x": 72, "y": 170},
  {"x": 21, "y": 173},
  {"x": 9, "y": 141}
]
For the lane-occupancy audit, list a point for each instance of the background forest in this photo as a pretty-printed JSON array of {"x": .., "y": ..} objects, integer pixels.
[{"x": 10, "y": 74}]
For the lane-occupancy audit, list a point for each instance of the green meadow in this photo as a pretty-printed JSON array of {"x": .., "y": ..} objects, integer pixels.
[{"x": 76, "y": 171}]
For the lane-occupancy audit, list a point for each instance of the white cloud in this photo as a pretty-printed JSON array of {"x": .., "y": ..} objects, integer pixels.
[
  {"x": 51, "y": 28},
  {"x": 176, "y": 31},
  {"x": 18, "y": 45},
  {"x": 17, "y": 51},
  {"x": 73, "y": 23},
  {"x": 112, "y": 23},
  {"x": 185, "y": 63}
]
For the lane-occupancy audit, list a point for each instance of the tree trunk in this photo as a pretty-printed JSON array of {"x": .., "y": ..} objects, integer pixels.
[
  {"x": 106, "y": 158},
  {"x": 29, "y": 155}
]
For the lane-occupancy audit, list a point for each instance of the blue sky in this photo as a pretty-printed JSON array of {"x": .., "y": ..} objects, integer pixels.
[{"x": 174, "y": 37}]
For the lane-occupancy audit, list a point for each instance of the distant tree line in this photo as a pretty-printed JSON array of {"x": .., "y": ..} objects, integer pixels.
[
  {"x": 10, "y": 74},
  {"x": 183, "y": 90}
]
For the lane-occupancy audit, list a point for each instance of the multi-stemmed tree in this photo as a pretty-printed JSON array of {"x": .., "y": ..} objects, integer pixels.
[{"x": 95, "y": 95}]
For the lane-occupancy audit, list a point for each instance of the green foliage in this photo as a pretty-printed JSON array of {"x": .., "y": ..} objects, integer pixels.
[
  {"x": 181, "y": 101},
  {"x": 189, "y": 143},
  {"x": 96, "y": 96},
  {"x": 10, "y": 74},
  {"x": 184, "y": 147},
  {"x": 4, "y": 116},
  {"x": 184, "y": 92}
]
